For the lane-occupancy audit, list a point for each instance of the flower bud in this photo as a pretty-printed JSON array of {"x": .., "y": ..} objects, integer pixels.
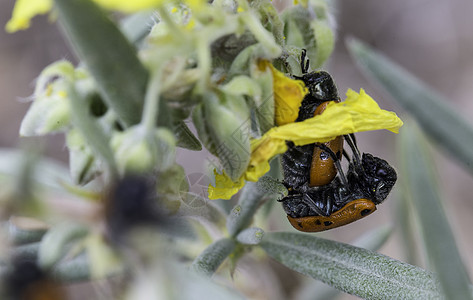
[
  {"x": 223, "y": 124},
  {"x": 138, "y": 151},
  {"x": 83, "y": 165},
  {"x": 48, "y": 113}
]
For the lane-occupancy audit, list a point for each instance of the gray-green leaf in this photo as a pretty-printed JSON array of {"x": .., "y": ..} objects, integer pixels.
[
  {"x": 108, "y": 55},
  {"x": 421, "y": 187},
  {"x": 353, "y": 270},
  {"x": 212, "y": 257}
]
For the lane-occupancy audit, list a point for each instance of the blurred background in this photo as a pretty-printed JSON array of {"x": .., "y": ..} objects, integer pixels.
[{"x": 430, "y": 38}]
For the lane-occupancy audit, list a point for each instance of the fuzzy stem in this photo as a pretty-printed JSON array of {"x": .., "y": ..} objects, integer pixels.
[
  {"x": 261, "y": 34},
  {"x": 151, "y": 106}
]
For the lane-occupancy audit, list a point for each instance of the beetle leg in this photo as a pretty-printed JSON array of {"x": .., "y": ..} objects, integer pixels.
[
  {"x": 345, "y": 154},
  {"x": 311, "y": 203},
  {"x": 289, "y": 197},
  {"x": 351, "y": 140},
  {"x": 304, "y": 63}
]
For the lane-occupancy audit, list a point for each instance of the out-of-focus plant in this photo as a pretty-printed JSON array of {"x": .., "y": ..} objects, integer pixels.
[{"x": 124, "y": 111}]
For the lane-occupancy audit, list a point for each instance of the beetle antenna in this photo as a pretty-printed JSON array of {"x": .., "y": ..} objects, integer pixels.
[{"x": 304, "y": 62}]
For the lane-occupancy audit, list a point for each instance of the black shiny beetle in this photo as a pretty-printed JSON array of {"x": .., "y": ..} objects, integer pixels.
[
  {"x": 297, "y": 160},
  {"x": 369, "y": 178},
  {"x": 317, "y": 198}
]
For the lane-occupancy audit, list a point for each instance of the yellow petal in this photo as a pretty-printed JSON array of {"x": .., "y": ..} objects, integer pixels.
[
  {"x": 358, "y": 113},
  {"x": 224, "y": 188},
  {"x": 130, "y": 6},
  {"x": 288, "y": 95},
  {"x": 24, "y": 11},
  {"x": 262, "y": 151}
]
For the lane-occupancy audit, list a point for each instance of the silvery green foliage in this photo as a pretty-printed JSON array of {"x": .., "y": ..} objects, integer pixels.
[
  {"x": 127, "y": 108},
  {"x": 353, "y": 270},
  {"x": 438, "y": 120}
]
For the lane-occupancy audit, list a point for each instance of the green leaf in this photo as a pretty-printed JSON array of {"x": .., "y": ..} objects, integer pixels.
[
  {"x": 108, "y": 55},
  {"x": 23, "y": 230},
  {"x": 185, "y": 138},
  {"x": 409, "y": 230},
  {"x": 421, "y": 187},
  {"x": 72, "y": 270},
  {"x": 371, "y": 240},
  {"x": 353, "y": 270},
  {"x": 50, "y": 110},
  {"x": 25, "y": 252},
  {"x": 241, "y": 215},
  {"x": 212, "y": 257},
  {"x": 90, "y": 129},
  {"x": 325, "y": 40},
  {"x": 436, "y": 117},
  {"x": 250, "y": 236},
  {"x": 83, "y": 166},
  {"x": 223, "y": 127},
  {"x": 53, "y": 244},
  {"x": 137, "y": 26}
]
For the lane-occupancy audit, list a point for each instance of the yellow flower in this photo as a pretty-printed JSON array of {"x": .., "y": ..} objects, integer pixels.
[
  {"x": 359, "y": 112},
  {"x": 25, "y": 10},
  {"x": 224, "y": 188},
  {"x": 288, "y": 95},
  {"x": 262, "y": 150},
  {"x": 129, "y": 6}
]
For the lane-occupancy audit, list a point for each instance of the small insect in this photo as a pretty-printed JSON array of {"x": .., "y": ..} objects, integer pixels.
[
  {"x": 311, "y": 163},
  {"x": 346, "y": 199}
]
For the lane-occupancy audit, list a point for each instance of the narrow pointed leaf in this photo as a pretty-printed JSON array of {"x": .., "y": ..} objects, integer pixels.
[
  {"x": 356, "y": 271},
  {"x": 53, "y": 244},
  {"x": 438, "y": 237},
  {"x": 250, "y": 236},
  {"x": 137, "y": 26},
  {"x": 212, "y": 257},
  {"x": 185, "y": 137},
  {"x": 242, "y": 214},
  {"x": 434, "y": 114},
  {"x": 22, "y": 230},
  {"x": 90, "y": 129},
  {"x": 371, "y": 240},
  {"x": 72, "y": 270},
  {"x": 108, "y": 55},
  {"x": 25, "y": 252}
]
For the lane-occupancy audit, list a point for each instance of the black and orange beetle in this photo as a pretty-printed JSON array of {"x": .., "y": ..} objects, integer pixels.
[
  {"x": 310, "y": 163},
  {"x": 318, "y": 200},
  {"x": 346, "y": 199}
]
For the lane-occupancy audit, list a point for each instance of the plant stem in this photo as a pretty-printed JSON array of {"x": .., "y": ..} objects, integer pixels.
[{"x": 151, "y": 106}]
